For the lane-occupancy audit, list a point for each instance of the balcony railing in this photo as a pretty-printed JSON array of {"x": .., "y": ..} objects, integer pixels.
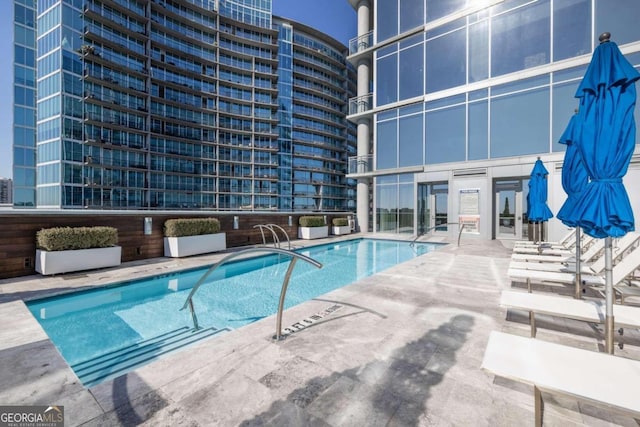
[
  {"x": 360, "y": 164},
  {"x": 360, "y": 43},
  {"x": 361, "y": 104}
]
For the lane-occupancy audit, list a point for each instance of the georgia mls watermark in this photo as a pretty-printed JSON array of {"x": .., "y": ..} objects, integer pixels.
[{"x": 31, "y": 416}]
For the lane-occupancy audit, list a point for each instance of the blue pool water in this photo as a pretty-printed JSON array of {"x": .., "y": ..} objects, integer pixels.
[{"x": 106, "y": 331}]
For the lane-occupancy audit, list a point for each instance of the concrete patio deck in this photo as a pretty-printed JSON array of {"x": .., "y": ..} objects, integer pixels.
[{"x": 403, "y": 348}]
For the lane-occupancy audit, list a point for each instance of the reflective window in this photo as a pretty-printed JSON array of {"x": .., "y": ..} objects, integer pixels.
[
  {"x": 520, "y": 38},
  {"x": 564, "y": 106},
  {"x": 479, "y": 51},
  {"x": 571, "y": 28},
  {"x": 620, "y": 18},
  {"x": 410, "y": 140},
  {"x": 445, "y": 135},
  {"x": 411, "y": 14},
  {"x": 439, "y": 8},
  {"x": 387, "y": 145},
  {"x": 446, "y": 61},
  {"x": 478, "y": 130},
  {"x": 520, "y": 124},
  {"x": 387, "y": 80},
  {"x": 387, "y": 21},
  {"x": 411, "y": 72}
]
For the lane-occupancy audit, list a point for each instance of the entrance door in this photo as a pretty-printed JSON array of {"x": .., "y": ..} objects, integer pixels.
[
  {"x": 432, "y": 207},
  {"x": 510, "y": 209}
]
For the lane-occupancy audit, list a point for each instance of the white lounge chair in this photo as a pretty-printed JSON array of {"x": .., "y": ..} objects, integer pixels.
[
  {"x": 595, "y": 266},
  {"x": 597, "y": 378},
  {"x": 561, "y": 256},
  {"x": 593, "y": 311},
  {"x": 624, "y": 268},
  {"x": 567, "y": 242},
  {"x": 585, "y": 244}
]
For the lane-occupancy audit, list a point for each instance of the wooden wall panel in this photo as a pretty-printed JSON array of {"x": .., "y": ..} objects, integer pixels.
[{"x": 18, "y": 232}]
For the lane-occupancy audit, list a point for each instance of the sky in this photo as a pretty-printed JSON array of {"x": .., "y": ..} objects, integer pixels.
[{"x": 334, "y": 17}]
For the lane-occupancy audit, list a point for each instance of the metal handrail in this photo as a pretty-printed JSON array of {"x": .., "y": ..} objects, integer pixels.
[
  {"x": 413, "y": 242},
  {"x": 284, "y": 232},
  {"x": 285, "y": 284},
  {"x": 276, "y": 240}
]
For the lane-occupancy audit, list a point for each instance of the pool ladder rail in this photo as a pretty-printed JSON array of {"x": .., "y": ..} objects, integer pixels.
[
  {"x": 285, "y": 284},
  {"x": 419, "y": 235},
  {"x": 276, "y": 239}
]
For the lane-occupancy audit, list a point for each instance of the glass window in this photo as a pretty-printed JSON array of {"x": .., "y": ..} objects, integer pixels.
[
  {"x": 479, "y": 51},
  {"x": 571, "y": 28},
  {"x": 446, "y": 61},
  {"x": 478, "y": 130},
  {"x": 405, "y": 208},
  {"x": 411, "y": 72},
  {"x": 387, "y": 145},
  {"x": 387, "y": 207},
  {"x": 564, "y": 106},
  {"x": 410, "y": 140},
  {"x": 520, "y": 38},
  {"x": 620, "y": 18},
  {"x": 520, "y": 124},
  {"x": 439, "y": 8},
  {"x": 411, "y": 14},
  {"x": 387, "y": 80},
  {"x": 387, "y": 22},
  {"x": 445, "y": 135}
]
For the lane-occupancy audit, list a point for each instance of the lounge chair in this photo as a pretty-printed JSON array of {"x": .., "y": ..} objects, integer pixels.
[
  {"x": 627, "y": 265},
  {"x": 567, "y": 239},
  {"x": 597, "y": 378},
  {"x": 594, "y": 267},
  {"x": 585, "y": 244},
  {"x": 561, "y": 256},
  {"x": 593, "y": 311}
]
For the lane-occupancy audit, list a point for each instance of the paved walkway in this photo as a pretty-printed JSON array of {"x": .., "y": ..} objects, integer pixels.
[{"x": 403, "y": 348}]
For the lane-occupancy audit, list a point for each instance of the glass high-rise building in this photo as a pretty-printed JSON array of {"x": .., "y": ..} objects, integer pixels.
[
  {"x": 177, "y": 104},
  {"x": 457, "y": 99},
  {"x": 24, "y": 103}
]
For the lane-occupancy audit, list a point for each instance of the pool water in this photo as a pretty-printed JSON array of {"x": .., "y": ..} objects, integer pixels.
[{"x": 106, "y": 331}]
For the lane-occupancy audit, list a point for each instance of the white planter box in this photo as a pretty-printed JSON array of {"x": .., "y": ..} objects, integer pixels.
[
  {"x": 339, "y": 230},
  {"x": 313, "y": 232},
  {"x": 82, "y": 259},
  {"x": 176, "y": 247}
]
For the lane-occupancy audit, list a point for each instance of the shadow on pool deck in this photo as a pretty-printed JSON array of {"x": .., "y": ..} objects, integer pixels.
[{"x": 404, "y": 349}]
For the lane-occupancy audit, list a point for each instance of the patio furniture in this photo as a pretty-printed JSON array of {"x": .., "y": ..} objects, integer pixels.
[{"x": 598, "y": 378}]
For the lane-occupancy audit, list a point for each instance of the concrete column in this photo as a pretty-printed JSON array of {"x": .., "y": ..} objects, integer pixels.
[
  {"x": 364, "y": 76},
  {"x": 364, "y": 12},
  {"x": 362, "y": 204}
]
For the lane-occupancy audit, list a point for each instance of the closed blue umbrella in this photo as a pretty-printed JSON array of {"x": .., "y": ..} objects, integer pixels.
[
  {"x": 574, "y": 173},
  {"x": 537, "y": 209},
  {"x": 606, "y": 141},
  {"x": 574, "y": 181}
]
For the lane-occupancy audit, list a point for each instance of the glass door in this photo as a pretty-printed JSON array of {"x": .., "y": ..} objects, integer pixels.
[
  {"x": 433, "y": 207},
  {"x": 510, "y": 209}
]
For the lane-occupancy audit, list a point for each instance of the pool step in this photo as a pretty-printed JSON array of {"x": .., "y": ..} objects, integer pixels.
[{"x": 118, "y": 362}]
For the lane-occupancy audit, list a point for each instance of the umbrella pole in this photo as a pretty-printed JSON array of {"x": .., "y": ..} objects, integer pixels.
[
  {"x": 578, "y": 294},
  {"x": 608, "y": 273}
]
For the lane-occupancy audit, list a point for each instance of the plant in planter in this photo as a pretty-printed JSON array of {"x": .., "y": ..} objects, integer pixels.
[
  {"x": 66, "y": 249},
  {"x": 312, "y": 227},
  {"x": 340, "y": 226},
  {"x": 192, "y": 236}
]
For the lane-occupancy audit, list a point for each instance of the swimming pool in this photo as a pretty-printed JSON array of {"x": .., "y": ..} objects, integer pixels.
[{"x": 107, "y": 331}]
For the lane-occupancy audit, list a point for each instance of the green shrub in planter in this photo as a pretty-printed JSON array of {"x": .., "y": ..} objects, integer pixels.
[
  {"x": 311, "y": 221},
  {"x": 74, "y": 238},
  {"x": 182, "y": 227},
  {"x": 340, "y": 222}
]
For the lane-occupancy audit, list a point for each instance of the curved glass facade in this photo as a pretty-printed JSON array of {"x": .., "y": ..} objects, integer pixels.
[{"x": 180, "y": 104}]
